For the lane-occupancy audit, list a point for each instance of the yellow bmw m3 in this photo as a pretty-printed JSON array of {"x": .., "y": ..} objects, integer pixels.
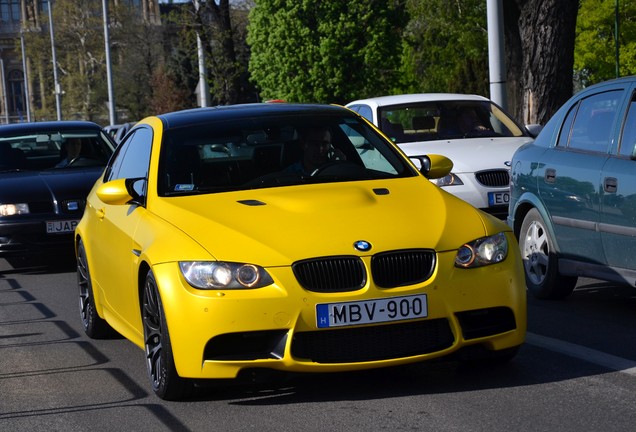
[{"x": 289, "y": 237}]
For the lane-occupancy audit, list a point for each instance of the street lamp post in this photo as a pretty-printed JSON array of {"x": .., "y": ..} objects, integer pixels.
[
  {"x": 4, "y": 92},
  {"x": 112, "y": 116},
  {"x": 27, "y": 93},
  {"x": 496, "y": 60},
  {"x": 58, "y": 89},
  {"x": 616, "y": 43},
  {"x": 204, "y": 90}
]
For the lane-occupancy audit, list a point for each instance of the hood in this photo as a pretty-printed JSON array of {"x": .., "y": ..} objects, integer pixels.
[
  {"x": 46, "y": 186},
  {"x": 276, "y": 226},
  {"x": 470, "y": 154}
]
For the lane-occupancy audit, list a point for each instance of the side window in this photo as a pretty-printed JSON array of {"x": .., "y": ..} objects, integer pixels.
[
  {"x": 593, "y": 125},
  {"x": 564, "y": 136},
  {"x": 133, "y": 156},
  {"x": 365, "y": 112},
  {"x": 132, "y": 159},
  {"x": 628, "y": 139}
]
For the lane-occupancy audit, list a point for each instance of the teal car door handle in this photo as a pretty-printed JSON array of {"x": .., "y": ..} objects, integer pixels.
[
  {"x": 550, "y": 175},
  {"x": 610, "y": 184}
]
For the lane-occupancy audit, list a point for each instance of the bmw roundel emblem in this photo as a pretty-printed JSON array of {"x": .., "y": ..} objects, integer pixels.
[{"x": 362, "y": 246}]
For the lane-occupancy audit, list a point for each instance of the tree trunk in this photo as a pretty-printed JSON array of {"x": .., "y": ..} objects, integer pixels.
[
  {"x": 225, "y": 67},
  {"x": 539, "y": 36}
]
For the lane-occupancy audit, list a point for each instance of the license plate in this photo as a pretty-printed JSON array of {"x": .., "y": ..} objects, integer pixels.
[
  {"x": 498, "y": 198},
  {"x": 61, "y": 226},
  {"x": 371, "y": 311}
]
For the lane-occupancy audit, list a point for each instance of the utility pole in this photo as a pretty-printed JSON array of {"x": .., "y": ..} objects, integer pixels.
[
  {"x": 58, "y": 89},
  {"x": 616, "y": 33},
  {"x": 496, "y": 58},
  {"x": 112, "y": 115},
  {"x": 4, "y": 92},
  {"x": 204, "y": 90},
  {"x": 27, "y": 93}
]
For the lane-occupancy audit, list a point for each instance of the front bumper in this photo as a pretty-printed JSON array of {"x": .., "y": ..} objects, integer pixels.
[
  {"x": 477, "y": 195},
  {"x": 216, "y": 334},
  {"x": 19, "y": 238}
]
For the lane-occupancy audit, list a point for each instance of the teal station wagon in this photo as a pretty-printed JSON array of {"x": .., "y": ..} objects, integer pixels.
[{"x": 573, "y": 192}]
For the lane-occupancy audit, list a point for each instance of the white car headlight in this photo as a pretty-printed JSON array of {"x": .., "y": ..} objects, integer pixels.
[
  {"x": 448, "y": 180},
  {"x": 482, "y": 252},
  {"x": 224, "y": 275},
  {"x": 14, "y": 209}
]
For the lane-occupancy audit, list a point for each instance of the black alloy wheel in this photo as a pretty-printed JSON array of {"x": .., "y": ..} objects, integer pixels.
[
  {"x": 165, "y": 381},
  {"x": 94, "y": 326}
]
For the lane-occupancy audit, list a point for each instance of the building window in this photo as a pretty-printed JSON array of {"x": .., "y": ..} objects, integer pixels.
[
  {"x": 10, "y": 11},
  {"x": 16, "y": 94}
]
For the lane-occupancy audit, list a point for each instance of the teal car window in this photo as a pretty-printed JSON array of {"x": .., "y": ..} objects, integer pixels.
[
  {"x": 628, "y": 139},
  {"x": 593, "y": 125},
  {"x": 564, "y": 135}
]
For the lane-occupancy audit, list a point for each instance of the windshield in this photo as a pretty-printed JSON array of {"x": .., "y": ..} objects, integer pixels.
[
  {"x": 275, "y": 151},
  {"x": 54, "y": 150},
  {"x": 442, "y": 120}
]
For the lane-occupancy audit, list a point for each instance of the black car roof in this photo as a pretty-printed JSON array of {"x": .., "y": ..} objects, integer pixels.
[
  {"x": 201, "y": 115},
  {"x": 19, "y": 128}
]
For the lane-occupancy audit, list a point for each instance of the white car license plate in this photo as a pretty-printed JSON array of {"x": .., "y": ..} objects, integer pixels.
[
  {"x": 498, "y": 198},
  {"x": 371, "y": 311},
  {"x": 61, "y": 226}
]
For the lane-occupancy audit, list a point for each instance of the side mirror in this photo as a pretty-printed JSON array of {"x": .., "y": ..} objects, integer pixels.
[
  {"x": 433, "y": 166},
  {"x": 119, "y": 192},
  {"x": 534, "y": 129}
]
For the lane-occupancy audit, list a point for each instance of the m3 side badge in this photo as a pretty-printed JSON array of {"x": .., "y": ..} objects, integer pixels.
[{"x": 362, "y": 246}]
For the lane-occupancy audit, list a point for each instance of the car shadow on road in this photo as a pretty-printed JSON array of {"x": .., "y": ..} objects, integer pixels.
[
  {"x": 38, "y": 264},
  {"x": 427, "y": 378}
]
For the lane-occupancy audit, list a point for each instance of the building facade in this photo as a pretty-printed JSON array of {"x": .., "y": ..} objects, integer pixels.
[{"x": 18, "y": 92}]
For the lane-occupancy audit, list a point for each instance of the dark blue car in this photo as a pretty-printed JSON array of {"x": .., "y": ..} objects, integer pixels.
[{"x": 46, "y": 172}]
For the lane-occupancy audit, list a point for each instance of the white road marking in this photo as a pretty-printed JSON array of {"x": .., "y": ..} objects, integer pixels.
[{"x": 580, "y": 352}]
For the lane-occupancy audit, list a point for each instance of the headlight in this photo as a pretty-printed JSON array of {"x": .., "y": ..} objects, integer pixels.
[
  {"x": 482, "y": 252},
  {"x": 224, "y": 275},
  {"x": 448, "y": 180},
  {"x": 13, "y": 209}
]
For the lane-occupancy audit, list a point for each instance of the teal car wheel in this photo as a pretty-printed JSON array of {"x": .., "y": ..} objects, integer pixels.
[
  {"x": 165, "y": 381},
  {"x": 540, "y": 260}
]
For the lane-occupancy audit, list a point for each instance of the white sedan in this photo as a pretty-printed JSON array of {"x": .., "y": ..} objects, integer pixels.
[{"x": 475, "y": 133}]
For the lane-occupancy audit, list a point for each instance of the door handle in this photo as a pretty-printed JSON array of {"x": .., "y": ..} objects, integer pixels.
[
  {"x": 550, "y": 175},
  {"x": 610, "y": 184},
  {"x": 100, "y": 213}
]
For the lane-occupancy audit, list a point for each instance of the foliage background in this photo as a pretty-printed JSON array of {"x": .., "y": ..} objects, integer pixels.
[{"x": 297, "y": 50}]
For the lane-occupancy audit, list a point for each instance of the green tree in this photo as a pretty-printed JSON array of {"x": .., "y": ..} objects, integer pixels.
[
  {"x": 446, "y": 47},
  {"x": 79, "y": 39},
  {"x": 167, "y": 96},
  {"x": 221, "y": 26},
  {"x": 325, "y": 51},
  {"x": 595, "y": 48},
  {"x": 138, "y": 53},
  {"x": 39, "y": 72}
]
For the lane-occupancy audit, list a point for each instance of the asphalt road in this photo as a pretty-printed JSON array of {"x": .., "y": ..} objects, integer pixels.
[{"x": 577, "y": 372}]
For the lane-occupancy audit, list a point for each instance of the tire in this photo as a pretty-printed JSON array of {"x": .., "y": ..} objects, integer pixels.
[
  {"x": 540, "y": 261},
  {"x": 94, "y": 326},
  {"x": 165, "y": 381}
]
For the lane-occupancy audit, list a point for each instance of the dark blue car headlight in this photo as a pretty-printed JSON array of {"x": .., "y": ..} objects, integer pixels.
[{"x": 14, "y": 209}]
